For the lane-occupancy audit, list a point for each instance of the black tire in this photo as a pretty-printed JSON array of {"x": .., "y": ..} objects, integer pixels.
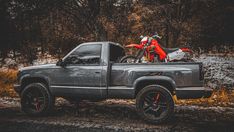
[
  {"x": 185, "y": 60},
  {"x": 36, "y": 100},
  {"x": 126, "y": 59},
  {"x": 160, "y": 106},
  {"x": 190, "y": 60}
]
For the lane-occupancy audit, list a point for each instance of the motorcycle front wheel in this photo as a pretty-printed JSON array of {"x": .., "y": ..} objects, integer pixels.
[{"x": 128, "y": 59}]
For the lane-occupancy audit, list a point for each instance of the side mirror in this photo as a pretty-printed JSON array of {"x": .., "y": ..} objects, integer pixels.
[{"x": 61, "y": 63}]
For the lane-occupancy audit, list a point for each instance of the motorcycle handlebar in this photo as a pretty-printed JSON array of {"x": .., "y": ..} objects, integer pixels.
[{"x": 156, "y": 36}]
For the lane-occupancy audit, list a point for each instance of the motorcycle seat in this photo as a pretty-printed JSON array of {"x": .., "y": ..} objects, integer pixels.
[{"x": 170, "y": 50}]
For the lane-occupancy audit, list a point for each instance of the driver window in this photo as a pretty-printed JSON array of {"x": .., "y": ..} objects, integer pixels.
[{"x": 86, "y": 54}]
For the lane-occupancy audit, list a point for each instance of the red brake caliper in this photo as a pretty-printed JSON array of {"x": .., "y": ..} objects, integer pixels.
[
  {"x": 37, "y": 105},
  {"x": 156, "y": 98}
]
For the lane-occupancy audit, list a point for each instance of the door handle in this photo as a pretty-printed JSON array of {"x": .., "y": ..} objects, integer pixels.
[{"x": 97, "y": 72}]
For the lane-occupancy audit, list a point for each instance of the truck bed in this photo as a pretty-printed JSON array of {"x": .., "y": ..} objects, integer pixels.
[{"x": 183, "y": 75}]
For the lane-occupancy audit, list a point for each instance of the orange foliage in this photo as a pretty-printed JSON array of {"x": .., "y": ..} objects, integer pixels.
[
  {"x": 221, "y": 97},
  {"x": 7, "y": 79}
]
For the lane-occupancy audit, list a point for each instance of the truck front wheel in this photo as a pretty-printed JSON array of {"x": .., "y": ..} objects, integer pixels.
[
  {"x": 36, "y": 100},
  {"x": 155, "y": 104}
]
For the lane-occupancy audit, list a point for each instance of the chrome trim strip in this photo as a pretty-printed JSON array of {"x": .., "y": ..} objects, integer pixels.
[
  {"x": 78, "y": 87},
  {"x": 110, "y": 88},
  {"x": 191, "y": 88},
  {"x": 16, "y": 85},
  {"x": 119, "y": 87}
]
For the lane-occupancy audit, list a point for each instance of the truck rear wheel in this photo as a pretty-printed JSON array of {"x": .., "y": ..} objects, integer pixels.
[
  {"x": 155, "y": 104},
  {"x": 36, "y": 100}
]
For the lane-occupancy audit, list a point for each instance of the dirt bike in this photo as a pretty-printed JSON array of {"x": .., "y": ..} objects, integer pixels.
[{"x": 152, "y": 51}]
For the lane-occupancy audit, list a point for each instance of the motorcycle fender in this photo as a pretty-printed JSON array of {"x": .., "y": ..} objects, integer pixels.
[{"x": 176, "y": 55}]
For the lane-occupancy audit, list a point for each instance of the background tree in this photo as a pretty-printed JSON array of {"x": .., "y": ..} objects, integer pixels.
[{"x": 32, "y": 27}]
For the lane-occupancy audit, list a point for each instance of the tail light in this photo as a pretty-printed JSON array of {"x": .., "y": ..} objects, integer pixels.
[{"x": 201, "y": 72}]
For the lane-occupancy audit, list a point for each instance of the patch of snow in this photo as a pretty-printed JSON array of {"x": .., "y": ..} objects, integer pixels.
[
  {"x": 219, "y": 71},
  {"x": 45, "y": 59}
]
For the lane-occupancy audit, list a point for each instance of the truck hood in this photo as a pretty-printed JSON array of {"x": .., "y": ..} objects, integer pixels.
[{"x": 38, "y": 67}]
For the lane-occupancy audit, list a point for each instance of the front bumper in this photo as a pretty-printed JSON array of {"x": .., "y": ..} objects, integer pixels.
[
  {"x": 193, "y": 92},
  {"x": 17, "y": 88}
]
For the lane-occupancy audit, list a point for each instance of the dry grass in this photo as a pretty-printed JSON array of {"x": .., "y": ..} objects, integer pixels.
[
  {"x": 221, "y": 97},
  {"x": 7, "y": 79}
]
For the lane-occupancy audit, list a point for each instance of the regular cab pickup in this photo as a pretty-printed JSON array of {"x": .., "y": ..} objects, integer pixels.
[{"x": 91, "y": 72}]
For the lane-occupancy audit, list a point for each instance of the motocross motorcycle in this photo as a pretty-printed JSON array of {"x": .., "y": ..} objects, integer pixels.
[{"x": 152, "y": 51}]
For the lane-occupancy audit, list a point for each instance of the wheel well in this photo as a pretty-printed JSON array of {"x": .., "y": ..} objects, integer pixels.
[
  {"x": 30, "y": 80},
  {"x": 163, "y": 83}
]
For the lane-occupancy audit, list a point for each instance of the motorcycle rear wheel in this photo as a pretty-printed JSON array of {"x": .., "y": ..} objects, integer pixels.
[
  {"x": 184, "y": 60},
  {"x": 128, "y": 59}
]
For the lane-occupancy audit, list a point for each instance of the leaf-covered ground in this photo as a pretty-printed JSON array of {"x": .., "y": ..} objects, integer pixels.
[{"x": 113, "y": 115}]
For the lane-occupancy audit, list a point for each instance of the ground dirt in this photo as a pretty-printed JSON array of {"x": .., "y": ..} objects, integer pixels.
[{"x": 112, "y": 115}]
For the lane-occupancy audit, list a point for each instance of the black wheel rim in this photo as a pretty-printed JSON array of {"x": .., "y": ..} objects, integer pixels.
[
  {"x": 155, "y": 105},
  {"x": 33, "y": 100}
]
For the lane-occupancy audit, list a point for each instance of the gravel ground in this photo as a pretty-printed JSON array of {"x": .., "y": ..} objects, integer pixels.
[{"x": 112, "y": 115}]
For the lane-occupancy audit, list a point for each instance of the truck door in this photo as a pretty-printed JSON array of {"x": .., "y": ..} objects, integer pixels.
[{"x": 85, "y": 71}]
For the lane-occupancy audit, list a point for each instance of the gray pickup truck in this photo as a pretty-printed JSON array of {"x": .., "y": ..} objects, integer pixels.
[{"x": 91, "y": 72}]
